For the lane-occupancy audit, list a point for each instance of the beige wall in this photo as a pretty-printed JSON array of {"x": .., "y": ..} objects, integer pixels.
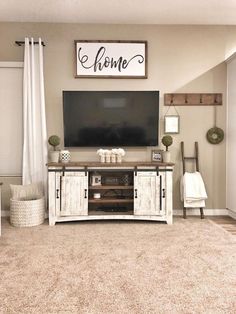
[{"x": 180, "y": 59}]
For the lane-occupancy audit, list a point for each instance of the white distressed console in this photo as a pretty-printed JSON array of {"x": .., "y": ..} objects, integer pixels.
[{"x": 93, "y": 191}]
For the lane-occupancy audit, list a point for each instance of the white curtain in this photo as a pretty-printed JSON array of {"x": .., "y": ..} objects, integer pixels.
[{"x": 35, "y": 133}]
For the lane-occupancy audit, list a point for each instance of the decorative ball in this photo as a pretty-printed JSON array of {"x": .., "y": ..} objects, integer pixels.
[
  {"x": 54, "y": 140},
  {"x": 167, "y": 140}
]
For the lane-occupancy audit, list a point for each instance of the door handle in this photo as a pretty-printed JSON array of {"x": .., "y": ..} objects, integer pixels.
[
  {"x": 163, "y": 193},
  {"x": 135, "y": 193},
  {"x": 85, "y": 193},
  {"x": 57, "y": 193}
]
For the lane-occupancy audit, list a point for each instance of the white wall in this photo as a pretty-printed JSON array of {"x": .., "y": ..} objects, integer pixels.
[
  {"x": 11, "y": 126},
  {"x": 231, "y": 133},
  {"x": 180, "y": 59}
]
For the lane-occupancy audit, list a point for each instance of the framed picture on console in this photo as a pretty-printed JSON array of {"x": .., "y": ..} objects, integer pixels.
[
  {"x": 156, "y": 155},
  {"x": 111, "y": 59}
]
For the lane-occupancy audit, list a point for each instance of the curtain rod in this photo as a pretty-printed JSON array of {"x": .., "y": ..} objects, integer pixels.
[{"x": 20, "y": 43}]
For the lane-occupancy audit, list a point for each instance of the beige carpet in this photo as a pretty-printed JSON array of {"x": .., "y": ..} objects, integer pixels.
[{"x": 118, "y": 267}]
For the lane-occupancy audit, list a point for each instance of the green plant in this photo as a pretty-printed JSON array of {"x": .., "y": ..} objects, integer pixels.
[
  {"x": 54, "y": 141},
  {"x": 167, "y": 140}
]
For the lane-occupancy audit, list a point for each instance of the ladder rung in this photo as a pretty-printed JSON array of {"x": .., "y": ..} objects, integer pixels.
[{"x": 190, "y": 157}]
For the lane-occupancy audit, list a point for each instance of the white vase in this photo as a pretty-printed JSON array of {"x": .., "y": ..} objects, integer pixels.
[
  {"x": 166, "y": 156},
  {"x": 113, "y": 158},
  {"x": 64, "y": 156},
  {"x": 108, "y": 158},
  {"x": 119, "y": 158},
  {"x": 54, "y": 156},
  {"x": 102, "y": 158}
]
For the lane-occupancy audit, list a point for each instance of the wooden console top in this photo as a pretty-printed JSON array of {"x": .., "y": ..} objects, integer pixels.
[{"x": 121, "y": 164}]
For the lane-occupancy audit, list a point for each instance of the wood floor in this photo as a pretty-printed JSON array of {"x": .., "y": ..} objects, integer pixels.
[{"x": 227, "y": 223}]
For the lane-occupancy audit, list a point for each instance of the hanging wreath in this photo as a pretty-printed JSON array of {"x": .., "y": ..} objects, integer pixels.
[{"x": 215, "y": 135}]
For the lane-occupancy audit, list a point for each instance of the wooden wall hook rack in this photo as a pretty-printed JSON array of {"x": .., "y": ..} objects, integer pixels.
[{"x": 193, "y": 99}]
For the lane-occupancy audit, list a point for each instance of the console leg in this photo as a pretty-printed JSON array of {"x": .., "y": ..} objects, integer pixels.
[
  {"x": 184, "y": 213},
  {"x": 52, "y": 222},
  {"x": 169, "y": 220},
  {"x": 202, "y": 213}
]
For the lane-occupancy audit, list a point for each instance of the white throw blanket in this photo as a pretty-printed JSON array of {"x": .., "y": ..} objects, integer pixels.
[{"x": 193, "y": 192}]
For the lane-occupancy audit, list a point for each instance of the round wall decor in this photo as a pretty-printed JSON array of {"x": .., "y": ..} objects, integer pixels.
[{"x": 215, "y": 135}]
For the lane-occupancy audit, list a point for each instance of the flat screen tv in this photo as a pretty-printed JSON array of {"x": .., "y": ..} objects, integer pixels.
[{"x": 110, "y": 118}]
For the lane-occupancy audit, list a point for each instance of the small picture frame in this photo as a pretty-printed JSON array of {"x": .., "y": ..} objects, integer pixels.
[
  {"x": 96, "y": 180},
  {"x": 171, "y": 124},
  {"x": 156, "y": 155}
]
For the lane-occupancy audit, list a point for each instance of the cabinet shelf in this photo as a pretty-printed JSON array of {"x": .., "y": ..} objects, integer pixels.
[
  {"x": 111, "y": 200},
  {"x": 111, "y": 187}
]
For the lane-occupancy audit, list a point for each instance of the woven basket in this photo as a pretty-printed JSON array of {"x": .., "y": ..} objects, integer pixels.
[{"x": 27, "y": 213}]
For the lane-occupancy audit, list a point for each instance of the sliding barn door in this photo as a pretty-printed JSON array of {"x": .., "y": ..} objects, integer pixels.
[
  {"x": 147, "y": 195},
  {"x": 74, "y": 194}
]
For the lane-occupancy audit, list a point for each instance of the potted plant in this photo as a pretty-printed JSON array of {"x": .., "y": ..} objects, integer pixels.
[
  {"x": 54, "y": 141},
  {"x": 167, "y": 140}
]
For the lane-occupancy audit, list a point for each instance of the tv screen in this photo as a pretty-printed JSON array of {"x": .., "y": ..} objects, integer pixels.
[{"x": 110, "y": 118}]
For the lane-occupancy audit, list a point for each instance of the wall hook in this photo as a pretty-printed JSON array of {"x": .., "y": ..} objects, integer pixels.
[{"x": 186, "y": 98}]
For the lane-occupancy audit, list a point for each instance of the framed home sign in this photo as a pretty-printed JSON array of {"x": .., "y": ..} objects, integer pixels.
[{"x": 111, "y": 59}]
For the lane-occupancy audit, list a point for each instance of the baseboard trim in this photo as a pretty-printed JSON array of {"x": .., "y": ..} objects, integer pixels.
[
  {"x": 179, "y": 212},
  {"x": 232, "y": 213},
  {"x": 5, "y": 213},
  {"x": 207, "y": 212}
]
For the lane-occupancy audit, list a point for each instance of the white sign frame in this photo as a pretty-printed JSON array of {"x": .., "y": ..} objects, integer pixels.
[
  {"x": 111, "y": 59},
  {"x": 171, "y": 124}
]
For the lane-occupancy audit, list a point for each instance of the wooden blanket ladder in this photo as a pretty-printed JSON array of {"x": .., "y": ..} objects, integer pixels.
[{"x": 196, "y": 160}]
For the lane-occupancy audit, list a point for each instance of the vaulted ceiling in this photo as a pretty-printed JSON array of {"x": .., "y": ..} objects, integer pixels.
[{"x": 206, "y": 12}]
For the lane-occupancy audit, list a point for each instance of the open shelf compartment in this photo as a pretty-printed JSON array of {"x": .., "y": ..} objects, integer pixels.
[{"x": 111, "y": 192}]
